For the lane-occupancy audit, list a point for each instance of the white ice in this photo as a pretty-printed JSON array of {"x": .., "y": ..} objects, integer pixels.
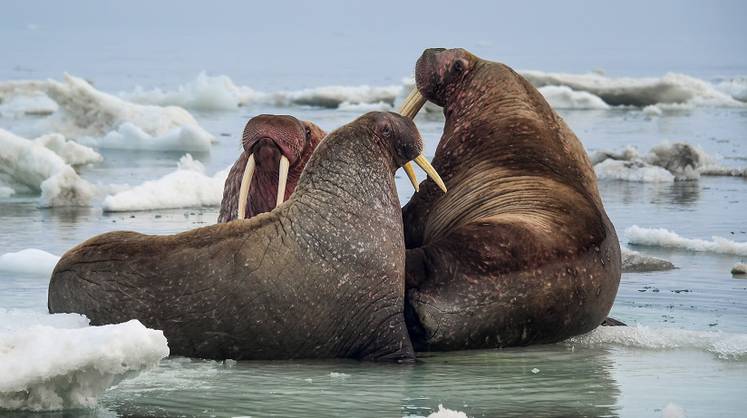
[
  {"x": 55, "y": 362},
  {"x": 563, "y": 97},
  {"x": 106, "y": 121},
  {"x": 671, "y": 88},
  {"x": 207, "y": 92},
  {"x": 188, "y": 186},
  {"x": 635, "y": 262},
  {"x": 724, "y": 345},
  {"x": 660, "y": 237},
  {"x": 30, "y": 260},
  {"x": 635, "y": 170},
  {"x": 27, "y": 165}
]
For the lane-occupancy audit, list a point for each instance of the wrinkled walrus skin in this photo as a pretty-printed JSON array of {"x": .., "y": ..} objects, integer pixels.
[
  {"x": 320, "y": 276},
  {"x": 520, "y": 250}
]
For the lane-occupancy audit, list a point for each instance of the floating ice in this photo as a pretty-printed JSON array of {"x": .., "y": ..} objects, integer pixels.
[
  {"x": 70, "y": 151},
  {"x": 30, "y": 260},
  {"x": 6, "y": 191},
  {"x": 221, "y": 93},
  {"x": 682, "y": 160},
  {"x": 660, "y": 237},
  {"x": 188, "y": 186},
  {"x": 447, "y": 413},
  {"x": 724, "y": 345},
  {"x": 563, "y": 97},
  {"x": 84, "y": 112},
  {"x": 627, "y": 91},
  {"x": 58, "y": 362},
  {"x": 627, "y": 154},
  {"x": 739, "y": 268},
  {"x": 632, "y": 171},
  {"x": 635, "y": 262},
  {"x": 29, "y": 104},
  {"x": 204, "y": 93},
  {"x": 29, "y": 165},
  {"x": 735, "y": 87}
]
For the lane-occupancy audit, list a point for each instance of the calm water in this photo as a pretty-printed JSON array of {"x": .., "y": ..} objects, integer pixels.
[{"x": 117, "y": 50}]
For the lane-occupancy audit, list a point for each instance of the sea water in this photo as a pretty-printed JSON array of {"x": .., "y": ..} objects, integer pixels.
[{"x": 161, "y": 171}]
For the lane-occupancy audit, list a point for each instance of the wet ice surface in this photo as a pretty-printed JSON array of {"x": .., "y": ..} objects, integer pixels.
[{"x": 634, "y": 372}]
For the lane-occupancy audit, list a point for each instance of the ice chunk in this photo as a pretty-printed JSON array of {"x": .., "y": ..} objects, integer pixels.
[
  {"x": 30, "y": 165},
  {"x": 563, "y": 97},
  {"x": 47, "y": 368},
  {"x": 636, "y": 170},
  {"x": 660, "y": 237},
  {"x": 84, "y": 112},
  {"x": 71, "y": 152},
  {"x": 188, "y": 186},
  {"x": 724, "y": 345},
  {"x": 635, "y": 262},
  {"x": 30, "y": 260}
]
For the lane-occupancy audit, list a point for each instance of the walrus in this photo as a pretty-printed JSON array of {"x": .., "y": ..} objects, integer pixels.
[
  {"x": 276, "y": 149},
  {"x": 520, "y": 251},
  {"x": 320, "y": 276}
]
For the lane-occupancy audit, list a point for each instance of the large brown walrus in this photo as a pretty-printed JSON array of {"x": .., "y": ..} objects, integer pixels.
[
  {"x": 520, "y": 251},
  {"x": 276, "y": 149},
  {"x": 321, "y": 275}
]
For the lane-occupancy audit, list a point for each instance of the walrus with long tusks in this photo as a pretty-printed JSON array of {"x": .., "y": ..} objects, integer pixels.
[
  {"x": 520, "y": 251},
  {"x": 276, "y": 148},
  {"x": 321, "y": 275}
]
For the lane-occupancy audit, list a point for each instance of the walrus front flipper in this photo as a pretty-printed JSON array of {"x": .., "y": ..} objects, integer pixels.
[{"x": 612, "y": 322}]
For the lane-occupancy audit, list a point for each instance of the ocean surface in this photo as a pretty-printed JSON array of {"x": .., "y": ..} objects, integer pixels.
[{"x": 90, "y": 143}]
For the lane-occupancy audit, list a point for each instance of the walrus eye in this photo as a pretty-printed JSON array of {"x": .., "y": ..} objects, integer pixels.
[
  {"x": 308, "y": 133},
  {"x": 457, "y": 67},
  {"x": 386, "y": 131}
]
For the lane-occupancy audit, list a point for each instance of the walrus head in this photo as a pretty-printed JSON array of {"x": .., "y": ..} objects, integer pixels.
[
  {"x": 438, "y": 72},
  {"x": 278, "y": 147}
]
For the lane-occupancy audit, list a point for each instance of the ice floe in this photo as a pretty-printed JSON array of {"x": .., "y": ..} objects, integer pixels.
[
  {"x": 70, "y": 151},
  {"x": 27, "y": 165},
  {"x": 221, "y": 93},
  {"x": 660, "y": 237},
  {"x": 563, "y": 97},
  {"x": 30, "y": 260},
  {"x": 681, "y": 160},
  {"x": 739, "y": 269},
  {"x": 187, "y": 186},
  {"x": 442, "y": 412},
  {"x": 671, "y": 88},
  {"x": 634, "y": 170},
  {"x": 635, "y": 262},
  {"x": 56, "y": 362},
  {"x": 107, "y": 121},
  {"x": 722, "y": 344}
]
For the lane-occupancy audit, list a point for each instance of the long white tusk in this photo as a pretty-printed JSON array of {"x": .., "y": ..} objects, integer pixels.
[
  {"x": 282, "y": 179},
  {"x": 412, "y": 104},
  {"x": 411, "y": 175},
  {"x": 432, "y": 173},
  {"x": 410, "y": 107},
  {"x": 246, "y": 181}
]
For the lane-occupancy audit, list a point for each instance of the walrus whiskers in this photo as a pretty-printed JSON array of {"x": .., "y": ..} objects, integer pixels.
[{"x": 409, "y": 109}]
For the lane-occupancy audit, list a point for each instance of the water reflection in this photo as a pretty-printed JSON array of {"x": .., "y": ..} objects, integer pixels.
[
  {"x": 681, "y": 193},
  {"x": 537, "y": 381}
]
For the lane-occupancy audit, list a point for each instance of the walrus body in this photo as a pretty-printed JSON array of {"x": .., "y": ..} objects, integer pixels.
[
  {"x": 320, "y": 276},
  {"x": 520, "y": 251},
  {"x": 266, "y": 140}
]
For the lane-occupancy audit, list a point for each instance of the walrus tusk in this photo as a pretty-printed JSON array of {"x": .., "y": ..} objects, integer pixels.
[
  {"x": 412, "y": 104},
  {"x": 411, "y": 175},
  {"x": 410, "y": 107},
  {"x": 282, "y": 179},
  {"x": 432, "y": 173},
  {"x": 246, "y": 181}
]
